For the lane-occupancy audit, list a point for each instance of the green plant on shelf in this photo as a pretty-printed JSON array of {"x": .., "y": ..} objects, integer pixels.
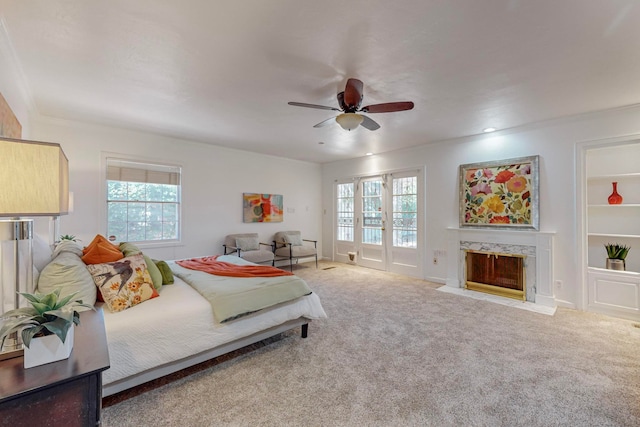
[{"x": 617, "y": 251}]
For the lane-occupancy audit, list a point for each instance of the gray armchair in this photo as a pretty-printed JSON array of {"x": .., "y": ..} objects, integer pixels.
[
  {"x": 248, "y": 246},
  {"x": 290, "y": 245}
]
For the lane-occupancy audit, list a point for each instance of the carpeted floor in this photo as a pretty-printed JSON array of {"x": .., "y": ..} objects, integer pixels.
[{"x": 395, "y": 352}]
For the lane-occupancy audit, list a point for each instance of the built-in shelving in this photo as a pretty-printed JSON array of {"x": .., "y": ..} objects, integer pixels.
[
  {"x": 626, "y": 205},
  {"x": 611, "y": 291},
  {"x": 621, "y": 236},
  {"x": 613, "y": 177}
]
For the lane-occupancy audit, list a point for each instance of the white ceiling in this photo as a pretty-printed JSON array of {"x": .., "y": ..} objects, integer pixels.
[{"x": 221, "y": 72}]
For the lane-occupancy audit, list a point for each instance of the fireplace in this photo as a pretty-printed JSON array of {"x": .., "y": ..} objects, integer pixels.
[
  {"x": 496, "y": 273},
  {"x": 534, "y": 247}
]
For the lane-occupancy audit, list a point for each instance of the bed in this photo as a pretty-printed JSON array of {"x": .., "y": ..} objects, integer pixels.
[{"x": 177, "y": 329}]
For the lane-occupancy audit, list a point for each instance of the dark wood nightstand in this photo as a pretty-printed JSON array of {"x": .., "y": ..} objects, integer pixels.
[{"x": 64, "y": 393}]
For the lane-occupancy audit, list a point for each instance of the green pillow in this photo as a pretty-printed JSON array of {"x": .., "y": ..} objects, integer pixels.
[
  {"x": 165, "y": 270},
  {"x": 154, "y": 272},
  {"x": 129, "y": 249}
]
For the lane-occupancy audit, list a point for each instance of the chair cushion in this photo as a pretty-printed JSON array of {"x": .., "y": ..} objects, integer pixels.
[
  {"x": 297, "y": 251},
  {"x": 258, "y": 256},
  {"x": 248, "y": 243},
  {"x": 230, "y": 239},
  {"x": 294, "y": 239}
]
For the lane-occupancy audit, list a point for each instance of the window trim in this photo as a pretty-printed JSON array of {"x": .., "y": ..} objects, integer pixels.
[{"x": 119, "y": 157}]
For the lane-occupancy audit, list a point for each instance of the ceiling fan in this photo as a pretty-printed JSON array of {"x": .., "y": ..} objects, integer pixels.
[{"x": 349, "y": 102}]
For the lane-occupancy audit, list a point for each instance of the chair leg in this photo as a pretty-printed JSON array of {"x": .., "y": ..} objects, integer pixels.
[
  {"x": 316, "y": 261},
  {"x": 290, "y": 257}
]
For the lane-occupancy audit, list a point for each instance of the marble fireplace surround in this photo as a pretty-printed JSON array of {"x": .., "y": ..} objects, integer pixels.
[{"x": 536, "y": 245}]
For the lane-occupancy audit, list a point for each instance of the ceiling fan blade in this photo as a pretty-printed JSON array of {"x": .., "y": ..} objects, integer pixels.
[
  {"x": 369, "y": 123},
  {"x": 343, "y": 107},
  {"x": 353, "y": 94},
  {"x": 388, "y": 107},
  {"x": 319, "y": 107},
  {"x": 325, "y": 122}
]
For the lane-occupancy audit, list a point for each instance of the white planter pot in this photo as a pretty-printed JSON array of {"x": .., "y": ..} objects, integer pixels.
[
  {"x": 615, "y": 264},
  {"x": 48, "y": 349}
]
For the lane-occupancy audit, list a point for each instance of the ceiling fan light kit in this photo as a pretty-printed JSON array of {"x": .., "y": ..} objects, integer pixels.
[
  {"x": 349, "y": 101},
  {"x": 349, "y": 121}
]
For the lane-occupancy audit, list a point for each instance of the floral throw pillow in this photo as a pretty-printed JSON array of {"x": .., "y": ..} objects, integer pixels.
[{"x": 123, "y": 283}]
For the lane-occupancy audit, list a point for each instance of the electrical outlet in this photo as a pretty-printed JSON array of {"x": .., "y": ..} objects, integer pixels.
[
  {"x": 435, "y": 260},
  {"x": 558, "y": 284}
]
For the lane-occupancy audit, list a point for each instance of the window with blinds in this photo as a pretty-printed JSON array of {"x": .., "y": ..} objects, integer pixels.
[{"x": 143, "y": 201}]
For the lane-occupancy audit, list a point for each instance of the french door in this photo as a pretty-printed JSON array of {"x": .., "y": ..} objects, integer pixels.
[
  {"x": 371, "y": 223},
  {"x": 379, "y": 222}
]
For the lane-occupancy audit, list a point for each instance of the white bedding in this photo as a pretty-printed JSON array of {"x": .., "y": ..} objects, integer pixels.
[{"x": 179, "y": 324}]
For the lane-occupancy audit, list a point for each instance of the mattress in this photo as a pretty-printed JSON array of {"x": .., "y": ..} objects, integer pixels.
[{"x": 179, "y": 324}]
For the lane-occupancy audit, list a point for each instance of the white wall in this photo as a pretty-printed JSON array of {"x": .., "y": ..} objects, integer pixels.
[
  {"x": 214, "y": 179},
  {"x": 554, "y": 141}
]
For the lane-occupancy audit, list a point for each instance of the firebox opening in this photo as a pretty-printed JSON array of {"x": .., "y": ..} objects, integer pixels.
[{"x": 496, "y": 273}]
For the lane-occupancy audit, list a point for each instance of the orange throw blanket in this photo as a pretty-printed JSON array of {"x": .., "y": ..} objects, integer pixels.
[{"x": 211, "y": 265}]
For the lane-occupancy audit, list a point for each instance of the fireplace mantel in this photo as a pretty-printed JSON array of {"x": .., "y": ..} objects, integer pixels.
[{"x": 541, "y": 248}]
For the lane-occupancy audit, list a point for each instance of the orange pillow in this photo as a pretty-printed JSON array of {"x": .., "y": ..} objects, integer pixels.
[{"x": 101, "y": 250}]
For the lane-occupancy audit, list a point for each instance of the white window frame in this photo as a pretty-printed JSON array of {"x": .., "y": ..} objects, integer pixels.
[{"x": 148, "y": 171}]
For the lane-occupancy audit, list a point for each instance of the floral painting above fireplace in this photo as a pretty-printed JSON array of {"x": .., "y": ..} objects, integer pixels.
[{"x": 500, "y": 194}]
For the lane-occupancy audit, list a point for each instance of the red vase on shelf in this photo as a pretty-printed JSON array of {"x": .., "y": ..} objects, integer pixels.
[{"x": 615, "y": 198}]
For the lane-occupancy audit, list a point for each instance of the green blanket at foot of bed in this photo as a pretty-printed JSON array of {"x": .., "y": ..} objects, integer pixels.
[{"x": 233, "y": 297}]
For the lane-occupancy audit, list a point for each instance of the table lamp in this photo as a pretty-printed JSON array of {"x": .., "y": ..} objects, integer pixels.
[{"x": 34, "y": 181}]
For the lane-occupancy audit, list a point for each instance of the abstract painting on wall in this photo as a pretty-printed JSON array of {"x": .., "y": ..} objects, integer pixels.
[
  {"x": 258, "y": 207},
  {"x": 500, "y": 194}
]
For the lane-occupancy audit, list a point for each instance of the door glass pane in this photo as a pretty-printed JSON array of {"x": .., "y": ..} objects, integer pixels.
[
  {"x": 345, "y": 211},
  {"x": 372, "y": 212},
  {"x": 405, "y": 212}
]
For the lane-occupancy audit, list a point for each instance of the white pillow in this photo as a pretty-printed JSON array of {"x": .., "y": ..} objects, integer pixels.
[
  {"x": 294, "y": 239},
  {"x": 247, "y": 243}
]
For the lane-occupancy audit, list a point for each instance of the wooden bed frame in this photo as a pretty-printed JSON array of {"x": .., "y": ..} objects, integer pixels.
[{"x": 169, "y": 368}]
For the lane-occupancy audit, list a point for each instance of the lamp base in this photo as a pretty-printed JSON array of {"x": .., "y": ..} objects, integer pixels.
[{"x": 12, "y": 347}]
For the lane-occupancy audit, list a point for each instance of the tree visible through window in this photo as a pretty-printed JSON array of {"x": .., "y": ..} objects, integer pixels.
[{"x": 143, "y": 201}]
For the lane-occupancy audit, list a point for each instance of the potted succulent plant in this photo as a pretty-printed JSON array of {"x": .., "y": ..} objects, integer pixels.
[
  {"x": 46, "y": 327},
  {"x": 616, "y": 254}
]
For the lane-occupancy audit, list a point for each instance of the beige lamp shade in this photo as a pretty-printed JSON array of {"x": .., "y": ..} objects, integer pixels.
[{"x": 34, "y": 179}]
